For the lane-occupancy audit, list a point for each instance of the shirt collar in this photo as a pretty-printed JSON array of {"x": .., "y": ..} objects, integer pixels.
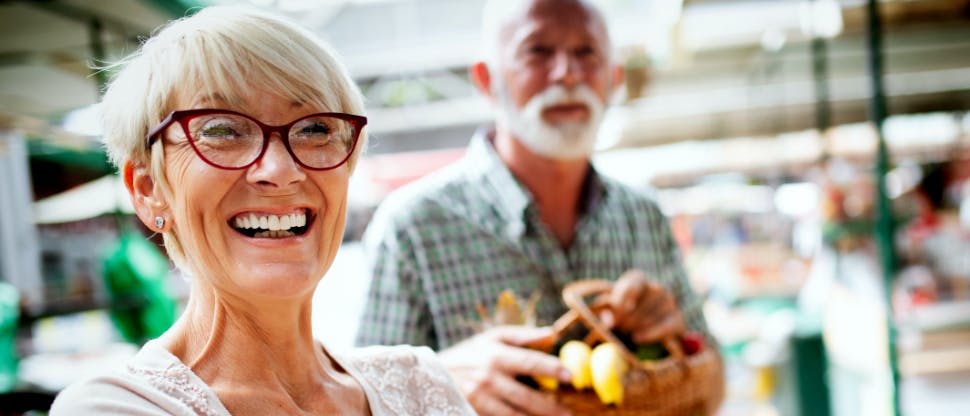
[{"x": 511, "y": 198}]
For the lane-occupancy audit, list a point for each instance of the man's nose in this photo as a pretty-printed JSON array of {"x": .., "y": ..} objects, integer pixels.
[
  {"x": 565, "y": 69},
  {"x": 277, "y": 166}
]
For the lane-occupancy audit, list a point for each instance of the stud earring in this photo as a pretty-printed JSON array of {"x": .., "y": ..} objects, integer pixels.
[{"x": 159, "y": 222}]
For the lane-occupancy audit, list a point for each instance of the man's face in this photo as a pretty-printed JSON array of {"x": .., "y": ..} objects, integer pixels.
[{"x": 554, "y": 78}]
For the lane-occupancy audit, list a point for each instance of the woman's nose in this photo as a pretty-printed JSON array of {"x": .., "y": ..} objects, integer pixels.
[{"x": 276, "y": 167}]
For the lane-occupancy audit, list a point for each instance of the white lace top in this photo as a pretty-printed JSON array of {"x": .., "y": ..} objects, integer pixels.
[{"x": 399, "y": 380}]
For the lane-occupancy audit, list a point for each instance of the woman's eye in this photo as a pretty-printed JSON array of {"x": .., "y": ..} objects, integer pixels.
[
  {"x": 315, "y": 128},
  {"x": 222, "y": 128},
  {"x": 217, "y": 131}
]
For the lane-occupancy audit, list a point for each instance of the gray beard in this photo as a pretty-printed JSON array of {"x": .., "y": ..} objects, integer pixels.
[{"x": 564, "y": 141}]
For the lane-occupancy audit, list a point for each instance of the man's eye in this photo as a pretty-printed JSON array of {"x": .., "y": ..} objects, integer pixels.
[
  {"x": 540, "y": 50},
  {"x": 585, "y": 51}
]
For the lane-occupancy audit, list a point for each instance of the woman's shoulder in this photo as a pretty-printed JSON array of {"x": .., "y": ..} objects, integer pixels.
[
  {"x": 153, "y": 382},
  {"x": 406, "y": 379},
  {"x": 110, "y": 394},
  {"x": 378, "y": 361},
  {"x": 406, "y": 355}
]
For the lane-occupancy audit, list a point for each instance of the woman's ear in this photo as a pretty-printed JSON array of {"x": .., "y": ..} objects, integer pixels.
[{"x": 146, "y": 198}]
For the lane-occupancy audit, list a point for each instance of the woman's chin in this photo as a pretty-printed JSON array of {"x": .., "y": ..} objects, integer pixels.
[{"x": 279, "y": 280}]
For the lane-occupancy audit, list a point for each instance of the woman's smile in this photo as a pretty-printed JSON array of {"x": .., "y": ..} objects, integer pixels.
[{"x": 262, "y": 224}]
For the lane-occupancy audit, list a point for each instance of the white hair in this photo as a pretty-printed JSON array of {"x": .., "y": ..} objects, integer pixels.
[
  {"x": 220, "y": 50},
  {"x": 498, "y": 13},
  {"x": 495, "y": 16}
]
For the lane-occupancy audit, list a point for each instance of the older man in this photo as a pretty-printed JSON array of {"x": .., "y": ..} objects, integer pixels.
[{"x": 524, "y": 210}]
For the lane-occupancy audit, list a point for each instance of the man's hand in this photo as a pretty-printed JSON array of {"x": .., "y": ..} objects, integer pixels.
[
  {"x": 643, "y": 308},
  {"x": 485, "y": 367}
]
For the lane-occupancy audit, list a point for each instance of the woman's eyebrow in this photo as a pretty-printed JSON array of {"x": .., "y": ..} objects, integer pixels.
[{"x": 210, "y": 98}]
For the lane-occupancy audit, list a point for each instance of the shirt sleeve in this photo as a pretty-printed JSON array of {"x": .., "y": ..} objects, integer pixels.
[
  {"x": 396, "y": 311},
  {"x": 109, "y": 396},
  {"x": 405, "y": 380},
  {"x": 674, "y": 276},
  {"x": 453, "y": 399}
]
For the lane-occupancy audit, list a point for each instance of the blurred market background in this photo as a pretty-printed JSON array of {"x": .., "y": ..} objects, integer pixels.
[{"x": 754, "y": 123}]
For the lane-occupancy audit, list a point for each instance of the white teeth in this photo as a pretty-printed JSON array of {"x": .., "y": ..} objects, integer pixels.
[
  {"x": 270, "y": 222},
  {"x": 274, "y": 234},
  {"x": 274, "y": 222}
]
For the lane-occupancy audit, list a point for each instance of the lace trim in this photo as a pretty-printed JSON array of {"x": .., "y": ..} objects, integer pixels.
[
  {"x": 176, "y": 382},
  {"x": 409, "y": 388}
]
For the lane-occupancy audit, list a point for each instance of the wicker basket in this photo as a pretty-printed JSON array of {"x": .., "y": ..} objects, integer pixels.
[{"x": 677, "y": 385}]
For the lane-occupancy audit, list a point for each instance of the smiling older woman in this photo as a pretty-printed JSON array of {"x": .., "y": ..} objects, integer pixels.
[{"x": 236, "y": 133}]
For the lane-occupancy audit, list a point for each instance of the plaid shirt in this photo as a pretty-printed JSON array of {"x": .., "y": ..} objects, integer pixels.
[{"x": 459, "y": 237}]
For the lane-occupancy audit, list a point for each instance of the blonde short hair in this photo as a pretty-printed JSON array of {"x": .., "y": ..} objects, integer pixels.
[{"x": 223, "y": 50}]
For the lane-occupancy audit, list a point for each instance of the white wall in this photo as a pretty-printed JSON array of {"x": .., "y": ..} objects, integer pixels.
[{"x": 339, "y": 299}]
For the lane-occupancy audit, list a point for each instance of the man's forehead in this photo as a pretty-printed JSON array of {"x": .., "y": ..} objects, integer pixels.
[{"x": 549, "y": 17}]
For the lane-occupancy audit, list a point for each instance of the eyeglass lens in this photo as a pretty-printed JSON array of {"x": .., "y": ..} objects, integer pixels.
[{"x": 234, "y": 141}]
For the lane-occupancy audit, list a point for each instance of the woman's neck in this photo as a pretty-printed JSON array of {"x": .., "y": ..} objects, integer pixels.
[
  {"x": 222, "y": 339},
  {"x": 261, "y": 358}
]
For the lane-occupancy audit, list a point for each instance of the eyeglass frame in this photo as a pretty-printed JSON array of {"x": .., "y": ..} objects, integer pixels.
[{"x": 183, "y": 116}]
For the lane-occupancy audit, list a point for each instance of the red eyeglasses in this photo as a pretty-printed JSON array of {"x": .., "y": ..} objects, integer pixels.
[{"x": 232, "y": 140}]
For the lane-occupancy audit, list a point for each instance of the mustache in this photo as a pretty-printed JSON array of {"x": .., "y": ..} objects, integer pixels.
[{"x": 559, "y": 95}]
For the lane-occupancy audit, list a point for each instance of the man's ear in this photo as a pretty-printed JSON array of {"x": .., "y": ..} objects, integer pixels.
[
  {"x": 618, "y": 76},
  {"x": 145, "y": 196},
  {"x": 482, "y": 79}
]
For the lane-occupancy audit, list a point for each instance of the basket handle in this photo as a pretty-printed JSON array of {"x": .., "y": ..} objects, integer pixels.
[{"x": 574, "y": 295}]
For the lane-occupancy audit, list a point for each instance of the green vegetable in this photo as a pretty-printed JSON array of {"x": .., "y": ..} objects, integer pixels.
[{"x": 650, "y": 352}]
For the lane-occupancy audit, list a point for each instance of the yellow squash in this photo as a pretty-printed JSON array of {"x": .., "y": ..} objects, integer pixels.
[
  {"x": 574, "y": 355},
  {"x": 547, "y": 383},
  {"x": 608, "y": 370}
]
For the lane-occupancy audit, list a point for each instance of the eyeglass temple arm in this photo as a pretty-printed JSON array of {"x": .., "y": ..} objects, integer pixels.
[{"x": 150, "y": 137}]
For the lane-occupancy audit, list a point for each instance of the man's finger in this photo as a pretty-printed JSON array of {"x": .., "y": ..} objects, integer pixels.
[
  {"x": 633, "y": 274},
  {"x": 522, "y": 335},
  {"x": 673, "y": 323},
  {"x": 653, "y": 307},
  {"x": 627, "y": 290},
  {"x": 608, "y": 318},
  {"x": 520, "y": 361},
  {"x": 526, "y": 399},
  {"x": 489, "y": 405}
]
